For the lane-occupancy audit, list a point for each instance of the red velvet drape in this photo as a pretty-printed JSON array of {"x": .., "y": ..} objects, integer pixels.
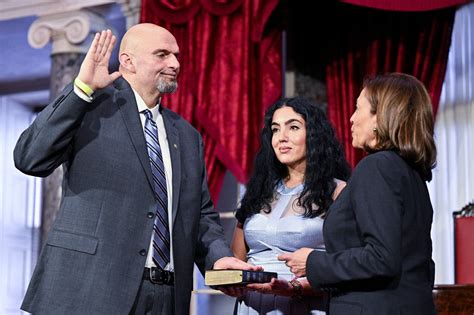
[
  {"x": 230, "y": 72},
  {"x": 368, "y": 41}
]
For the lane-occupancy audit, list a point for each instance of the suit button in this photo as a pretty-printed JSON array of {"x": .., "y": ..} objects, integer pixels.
[
  {"x": 150, "y": 215},
  {"x": 142, "y": 252}
]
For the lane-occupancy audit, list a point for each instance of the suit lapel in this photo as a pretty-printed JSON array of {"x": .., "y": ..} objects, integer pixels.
[
  {"x": 173, "y": 142},
  {"x": 125, "y": 99}
]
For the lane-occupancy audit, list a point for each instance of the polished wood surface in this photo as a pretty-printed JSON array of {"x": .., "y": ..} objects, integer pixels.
[{"x": 454, "y": 299}]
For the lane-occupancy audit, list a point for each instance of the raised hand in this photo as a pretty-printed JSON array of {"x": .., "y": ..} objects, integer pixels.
[{"x": 95, "y": 68}]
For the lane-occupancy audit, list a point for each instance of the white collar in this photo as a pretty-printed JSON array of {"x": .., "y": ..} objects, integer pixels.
[{"x": 142, "y": 106}]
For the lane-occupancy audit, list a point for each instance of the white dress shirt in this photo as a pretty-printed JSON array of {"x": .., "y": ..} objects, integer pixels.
[{"x": 165, "y": 152}]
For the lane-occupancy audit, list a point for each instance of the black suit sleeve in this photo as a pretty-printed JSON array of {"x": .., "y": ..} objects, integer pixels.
[
  {"x": 211, "y": 240},
  {"x": 375, "y": 199}
]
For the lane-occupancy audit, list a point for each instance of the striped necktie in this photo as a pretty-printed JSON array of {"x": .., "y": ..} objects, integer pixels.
[{"x": 161, "y": 234}]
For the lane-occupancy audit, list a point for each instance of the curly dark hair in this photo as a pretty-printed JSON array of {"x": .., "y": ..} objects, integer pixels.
[{"x": 325, "y": 161}]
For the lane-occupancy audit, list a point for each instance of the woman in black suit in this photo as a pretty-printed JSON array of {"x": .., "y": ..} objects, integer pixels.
[{"x": 377, "y": 233}]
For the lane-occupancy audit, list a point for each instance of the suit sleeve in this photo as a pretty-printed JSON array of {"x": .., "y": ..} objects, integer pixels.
[
  {"x": 45, "y": 144},
  {"x": 377, "y": 205},
  {"x": 211, "y": 239}
]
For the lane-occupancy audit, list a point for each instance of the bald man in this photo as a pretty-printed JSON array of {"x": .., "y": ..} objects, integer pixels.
[{"x": 135, "y": 213}]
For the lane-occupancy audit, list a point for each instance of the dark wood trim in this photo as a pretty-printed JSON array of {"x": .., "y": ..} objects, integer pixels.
[{"x": 454, "y": 299}]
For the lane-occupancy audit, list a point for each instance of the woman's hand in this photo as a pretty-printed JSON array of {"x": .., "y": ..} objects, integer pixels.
[
  {"x": 297, "y": 260},
  {"x": 234, "y": 291},
  {"x": 276, "y": 287}
]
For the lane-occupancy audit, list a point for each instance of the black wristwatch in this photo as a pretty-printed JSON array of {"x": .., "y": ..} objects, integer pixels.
[{"x": 297, "y": 288}]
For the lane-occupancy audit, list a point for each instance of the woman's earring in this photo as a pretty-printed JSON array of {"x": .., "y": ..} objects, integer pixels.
[{"x": 374, "y": 130}]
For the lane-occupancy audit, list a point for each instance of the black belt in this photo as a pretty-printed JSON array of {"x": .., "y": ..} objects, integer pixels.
[{"x": 157, "y": 275}]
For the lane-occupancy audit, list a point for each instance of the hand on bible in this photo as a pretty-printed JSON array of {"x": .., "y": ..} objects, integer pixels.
[{"x": 234, "y": 263}]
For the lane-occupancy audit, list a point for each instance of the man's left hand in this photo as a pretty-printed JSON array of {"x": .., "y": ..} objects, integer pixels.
[{"x": 234, "y": 263}]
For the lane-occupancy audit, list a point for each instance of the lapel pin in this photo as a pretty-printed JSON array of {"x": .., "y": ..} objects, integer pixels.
[{"x": 175, "y": 145}]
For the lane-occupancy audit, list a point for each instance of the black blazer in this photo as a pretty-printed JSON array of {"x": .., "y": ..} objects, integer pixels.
[
  {"x": 378, "y": 244},
  {"x": 94, "y": 257}
]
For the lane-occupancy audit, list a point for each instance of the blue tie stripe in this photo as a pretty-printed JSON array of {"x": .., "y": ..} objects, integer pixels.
[
  {"x": 163, "y": 221},
  {"x": 158, "y": 170},
  {"x": 154, "y": 155},
  {"x": 150, "y": 133},
  {"x": 160, "y": 178},
  {"x": 160, "y": 185},
  {"x": 159, "y": 238},
  {"x": 159, "y": 258},
  {"x": 161, "y": 234}
]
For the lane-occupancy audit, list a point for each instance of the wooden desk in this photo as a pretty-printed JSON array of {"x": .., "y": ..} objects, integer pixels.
[{"x": 454, "y": 299}]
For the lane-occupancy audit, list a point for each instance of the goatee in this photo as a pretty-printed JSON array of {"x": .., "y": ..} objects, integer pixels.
[{"x": 165, "y": 86}]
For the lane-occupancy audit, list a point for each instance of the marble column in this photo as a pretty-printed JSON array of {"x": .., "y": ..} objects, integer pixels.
[{"x": 70, "y": 34}]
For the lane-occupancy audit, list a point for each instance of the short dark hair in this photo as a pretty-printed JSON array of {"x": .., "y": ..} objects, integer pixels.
[
  {"x": 325, "y": 161},
  {"x": 405, "y": 121}
]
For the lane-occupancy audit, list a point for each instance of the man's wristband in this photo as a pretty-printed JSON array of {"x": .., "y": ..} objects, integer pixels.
[{"x": 83, "y": 87}]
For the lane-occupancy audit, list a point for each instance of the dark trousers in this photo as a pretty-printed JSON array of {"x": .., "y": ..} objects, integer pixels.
[{"x": 154, "y": 299}]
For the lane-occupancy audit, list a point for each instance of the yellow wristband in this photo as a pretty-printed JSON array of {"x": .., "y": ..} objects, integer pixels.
[{"x": 83, "y": 87}]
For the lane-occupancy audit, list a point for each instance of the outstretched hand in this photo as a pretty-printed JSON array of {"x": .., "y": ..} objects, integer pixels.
[
  {"x": 276, "y": 287},
  {"x": 95, "y": 68}
]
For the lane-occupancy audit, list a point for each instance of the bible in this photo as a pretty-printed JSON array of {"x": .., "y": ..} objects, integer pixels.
[{"x": 223, "y": 277}]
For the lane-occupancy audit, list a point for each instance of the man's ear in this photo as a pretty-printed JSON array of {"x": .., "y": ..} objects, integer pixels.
[{"x": 126, "y": 62}]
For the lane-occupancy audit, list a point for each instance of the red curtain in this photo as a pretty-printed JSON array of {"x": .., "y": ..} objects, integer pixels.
[
  {"x": 230, "y": 72},
  {"x": 368, "y": 41}
]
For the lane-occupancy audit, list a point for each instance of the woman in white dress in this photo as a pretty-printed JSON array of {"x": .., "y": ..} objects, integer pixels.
[{"x": 298, "y": 172}]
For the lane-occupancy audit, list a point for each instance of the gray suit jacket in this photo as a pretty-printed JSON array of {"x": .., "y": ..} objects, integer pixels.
[{"x": 95, "y": 254}]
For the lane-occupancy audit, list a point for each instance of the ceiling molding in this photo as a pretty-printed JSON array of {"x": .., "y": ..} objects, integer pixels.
[{"x": 12, "y": 9}]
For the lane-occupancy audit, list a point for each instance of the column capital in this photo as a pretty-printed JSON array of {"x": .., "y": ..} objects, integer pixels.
[
  {"x": 67, "y": 31},
  {"x": 131, "y": 11}
]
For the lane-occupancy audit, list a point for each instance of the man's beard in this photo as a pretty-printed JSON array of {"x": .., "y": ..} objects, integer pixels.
[{"x": 165, "y": 86}]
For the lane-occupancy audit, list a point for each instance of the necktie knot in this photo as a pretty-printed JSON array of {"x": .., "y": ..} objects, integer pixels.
[{"x": 148, "y": 114}]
